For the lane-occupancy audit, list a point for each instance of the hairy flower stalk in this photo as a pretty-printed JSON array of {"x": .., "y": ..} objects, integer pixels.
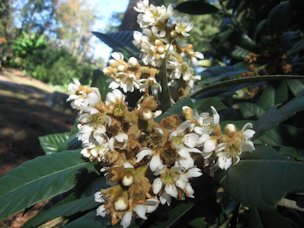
[{"x": 148, "y": 163}]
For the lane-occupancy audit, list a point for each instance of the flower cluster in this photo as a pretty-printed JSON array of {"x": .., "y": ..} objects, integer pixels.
[
  {"x": 162, "y": 40},
  {"x": 149, "y": 162}
]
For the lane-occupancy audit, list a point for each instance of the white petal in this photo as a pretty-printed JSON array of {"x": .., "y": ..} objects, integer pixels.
[
  {"x": 141, "y": 211},
  {"x": 246, "y": 126},
  {"x": 121, "y": 137},
  {"x": 155, "y": 162},
  {"x": 118, "y": 95},
  {"x": 186, "y": 163},
  {"x": 191, "y": 139},
  {"x": 248, "y": 134},
  {"x": 224, "y": 162},
  {"x": 110, "y": 98},
  {"x": 101, "y": 211},
  {"x": 111, "y": 144},
  {"x": 171, "y": 190},
  {"x": 165, "y": 198},
  {"x": 181, "y": 182},
  {"x": 126, "y": 219},
  {"x": 157, "y": 185},
  {"x": 189, "y": 191},
  {"x": 117, "y": 56},
  {"x": 248, "y": 146},
  {"x": 183, "y": 126},
  {"x": 152, "y": 205},
  {"x": 143, "y": 153},
  {"x": 194, "y": 172},
  {"x": 210, "y": 145},
  {"x": 93, "y": 98},
  {"x": 216, "y": 117},
  {"x": 98, "y": 197},
  {"x": 128, "y": 165}
]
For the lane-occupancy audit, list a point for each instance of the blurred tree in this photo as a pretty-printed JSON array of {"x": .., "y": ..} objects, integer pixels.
[
  {"x": 75, "y": 20},
  {"x": 36, "y": 16}
]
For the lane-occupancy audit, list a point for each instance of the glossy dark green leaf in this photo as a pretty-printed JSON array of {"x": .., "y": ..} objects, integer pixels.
[
  {"x": 119, "y": 41},
  {"x": 244, "y": 80},
  {"x": 263, "y": 177},
  {"x": 196, "y": 8},
  {"x": 292, "y": 153},
  {"x": 89, "y": 220},
  {"x": 214, "y": 74},
  {"x": 299, "y": 46},
  {"x": 295, "y": 86},
  {"x": 278, "y": 18},
  {"x": 174, "y": 215},
  {"x": 249, "y": 110},
  {"x": 176, "y": 108},
  {"x": 281, "y": 93},
  {"x": 198, "y": 223},
  {"x": 275, "y": 116},
  {"x": 284, "y": 135},
  {"x": 65, "y": 209},
  {"x": 267, "y": 99},
  {"x": 39, "y": 179},
  {"x": 52, "y": 143},
  {"x": 204, "y": 105},
  {"x": 164, "y": 95}
]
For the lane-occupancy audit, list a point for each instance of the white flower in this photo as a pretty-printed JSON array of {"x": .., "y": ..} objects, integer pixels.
[
  {"x": 155, "y": 162},
  {"x": 183, "y": 26},
  {"x": 119, "y": 141},
  {"x": 114, "y": 97}
]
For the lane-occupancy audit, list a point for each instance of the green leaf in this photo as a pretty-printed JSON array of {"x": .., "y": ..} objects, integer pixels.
[
  {"x": 198, "y": 223},
  {"x": 296, "y": 48},
  {"x": 88, "y": 220},
  {"x": 174, "y": 215},
  {"x": 214, "y": 74},
  {"x": 176, "y": 108},
  {"x": 254, "y": 220},
  {"x": 262, "y": 178},
  {"x": 292, "y": 153},
  {"x": 39, "y": 179},
  {"x": 204, "y": 105},
  {"x": 228, "y": 83},
  {"x": 278, "y": 18},
  {"x": 249, "y": 110},
  {"x": 164, "y": 96},
  {"x": 275, "y": 116},
  {"x": 284, "y": 135},
  {"x": 51, "y": 143},
  {"x": 295, "y": 86},
  {"x": 196, "y": 8},
  {"x": 119, "y": 41},
  {"x": 66, "y": 209},
  {"x": 281, "y": 93},
  {"x": 267, "y": 99}
]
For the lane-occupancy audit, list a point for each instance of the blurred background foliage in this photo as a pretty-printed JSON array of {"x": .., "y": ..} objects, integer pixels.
[{"x": 50, "y": 40}]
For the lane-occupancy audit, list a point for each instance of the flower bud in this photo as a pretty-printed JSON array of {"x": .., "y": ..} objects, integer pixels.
[
  {"x": 121, "y": 68},
  {"x": 230, "y": 128},
  {"x": 161, "y": 50},
  {"x": 120, "y": 204},
  {"x": 133, "y": 62},
  {"x": 127, "y": 180},
  {"x": 147, "y": 114}
]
